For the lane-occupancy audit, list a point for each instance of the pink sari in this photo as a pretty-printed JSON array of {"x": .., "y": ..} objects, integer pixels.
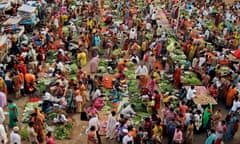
[{"x": 94, "y": 64}]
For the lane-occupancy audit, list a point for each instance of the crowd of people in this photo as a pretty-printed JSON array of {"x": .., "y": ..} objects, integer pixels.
[{"x": 104, "y": 28}]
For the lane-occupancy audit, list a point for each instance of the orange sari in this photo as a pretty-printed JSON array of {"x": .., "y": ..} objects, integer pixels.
[
  {"x": 143, "y": 81},
  {"x": 230, "y": 96},
  {"x": 83, "y": 93}
]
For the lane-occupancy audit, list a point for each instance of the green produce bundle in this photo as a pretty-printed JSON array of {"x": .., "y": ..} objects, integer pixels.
[
  {"x": 166, "y": 87},
  {"x": 192, "y": 81},
  {"x": 63, "y": 131},
  {"x": 117, "y": 52},
  {"x": 73, "y": 68},
  {"x": 24, "y": 133},
  {"x": 102, "y": 69}
]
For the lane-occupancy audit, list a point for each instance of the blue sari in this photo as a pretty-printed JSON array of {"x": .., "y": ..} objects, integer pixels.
[{"x": 230, "y": 131}]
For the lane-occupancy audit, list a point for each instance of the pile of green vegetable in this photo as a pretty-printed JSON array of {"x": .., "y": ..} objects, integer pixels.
[
  {"x": 191, "y": 81},
  {"x": 24, "y": 133},
  {"x": 165, "y": 86},
  {"x": 63, "y": 131},
  {"x": 42, "y": 84},
  {"x": 29, "y": 108},
  {"x": 73, "y": 68},
  {"x": 51, "y": 57}
]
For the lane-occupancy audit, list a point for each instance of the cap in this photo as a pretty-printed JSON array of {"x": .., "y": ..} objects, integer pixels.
[{"x": 16, "y": 129}]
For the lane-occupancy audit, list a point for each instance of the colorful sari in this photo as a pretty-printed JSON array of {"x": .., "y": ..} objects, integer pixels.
[
  {"x": 13, "y": 114},
  {"x": 38, "y": 126},
  {"x": 206, "y": 115},
  {"x": 177, "y": 77},
  {"x": 230, "y": 96},
  {"x": 83, "y": 93}
]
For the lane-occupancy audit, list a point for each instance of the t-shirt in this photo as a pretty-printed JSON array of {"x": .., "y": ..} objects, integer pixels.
[
  {"x": 235, "y": 106},
  {"x": 157, "y": 130},
  {"x": 128, "y": 139}
]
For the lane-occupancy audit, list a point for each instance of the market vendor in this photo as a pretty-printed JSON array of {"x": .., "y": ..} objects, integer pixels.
[
  {"x": 128, "y": 111},
  {"x": 191, "y": 93}
]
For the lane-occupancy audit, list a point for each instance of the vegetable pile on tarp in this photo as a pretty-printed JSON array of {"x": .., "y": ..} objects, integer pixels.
[
  {"x": 191, "y": 80},
  {"x": 63, "y": 131},
  {"x": 42, "y": 84},
  {"x": 51, "y": 57},
  {"x": 29, "y": 108},
  {"x": 165, "y": 86},
  {"x": 73, "y": 68},
  {"x": 24, "y": 133}
]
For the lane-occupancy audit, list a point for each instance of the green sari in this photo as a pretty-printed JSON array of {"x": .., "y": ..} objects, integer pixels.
[
  {"x": 13, "y": 114},
  {"x": 206, "y": 115}
]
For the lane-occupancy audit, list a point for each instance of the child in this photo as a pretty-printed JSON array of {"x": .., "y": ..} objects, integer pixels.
[{"x": 139, "y": 137}]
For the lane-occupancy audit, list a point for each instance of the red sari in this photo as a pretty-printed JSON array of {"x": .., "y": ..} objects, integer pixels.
[
  {"x": 177, "y": 77},
  {"x": 157, "y": 99}
]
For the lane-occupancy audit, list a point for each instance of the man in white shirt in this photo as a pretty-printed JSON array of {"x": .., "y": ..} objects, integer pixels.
[
  {"x": 235, "y": 106},
  {"x": 94, "y": 122},
  {"x": 128, "y": 111},
  {"x": 3, "y": 135},
  {"x": 132, "y": 34},
  {"x": 190, "y": 95},
  {"x": 141, "y": 70},
  {"x": 202, "y": 60},
  {"x": 15, "y": 138},
  {"x": 60, "y": 66},
  {"x": 97, "y": 94},
  {"x": 127, "y": 139}
]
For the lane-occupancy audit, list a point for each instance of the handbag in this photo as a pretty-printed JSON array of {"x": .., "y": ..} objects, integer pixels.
[
  {"x": 15, "y": 120},
  {"x": 83, "y": 116}
]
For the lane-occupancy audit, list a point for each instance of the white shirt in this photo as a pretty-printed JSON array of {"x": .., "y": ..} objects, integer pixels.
[
  {"x": 190, "y": 94},
  {"x": 15, "y": 138},
  {"x": 79, "y": 98},
  {"x": 128, "y": 110},
  {"x": 127, "y": 138},
  {"x": 60, "y": 66},
  {"x": 132, "y": 34},
  {"x": 207, "y": 33},
  {"x": 153, "y": 17},
  {"x": 136, "y": 58},
  {"x": 3, "y": 135},
  {"x": 148, "y": 26},
  {"x": 2, "y": 116},
  {"x": 141, "y": 70},
  {"x": 201, "y": 61},
  {"x": 97, "y": 94},
  {"x": 93, "y": 122},
  {"x": 235, "y": 106}
]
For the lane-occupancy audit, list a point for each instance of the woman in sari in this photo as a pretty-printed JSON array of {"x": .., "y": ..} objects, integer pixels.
[
  {"x": 78, "y": 99},
  {"x": 206, "y": 115},
  {"x": 94, "y": 64},
  {"x": 143, "y": 81},
  {"x": 13, "y": 114},
  {"x": 192, "y": 51},
  {"x": 177, "y": 77},
  {"x": 230, "y": 127},
  {"x": 152, "y": 85},
  {"x": 3, "y": 86},
  {"x": 83, "y": 92},
  {"x": 37, "y": 119},
  {"x": 232, "y": 91}
]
